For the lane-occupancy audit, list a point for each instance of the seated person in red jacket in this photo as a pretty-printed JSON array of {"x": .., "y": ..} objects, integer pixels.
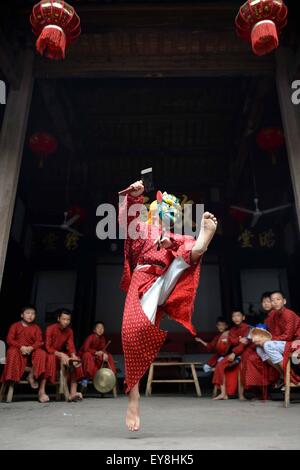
[
  {"x": 25, "y": 343},
  {"x": 218, "y": 345},
  {"x": 61, "y": 350},
  {"x": 237, "y": 342},
  {"x": 284, "y": 326},
  {"x": 93, "y": 352}
]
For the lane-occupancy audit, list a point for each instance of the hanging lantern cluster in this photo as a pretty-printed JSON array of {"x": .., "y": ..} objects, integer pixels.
[
  {"x": 42, "y": 144},
  {"x": 270, "y": 139},
  {"x": 56, "y": 24},
  {"x": 260, "y": 22}
]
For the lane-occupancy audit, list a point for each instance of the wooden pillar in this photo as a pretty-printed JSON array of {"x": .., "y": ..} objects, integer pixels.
[
  {"x": 11, "y": 149},
  {"x": 290, "y": 117}
]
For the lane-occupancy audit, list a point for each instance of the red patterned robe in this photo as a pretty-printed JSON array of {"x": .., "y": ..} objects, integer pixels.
[
  {"x": 284, "y": 326},
  {"x": 236, "y": 347},
  {"x": 91, "y": 363},
  {"x": 143, "y": 266},
  {"x": 218, "y": 345},
  {"x": 24, "y": 335},
  {"x": 60, "y": 340}
]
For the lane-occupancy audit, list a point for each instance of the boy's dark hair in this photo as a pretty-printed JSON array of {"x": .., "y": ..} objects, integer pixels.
[
  {"x": 278, "y": 291},
  {"x": 99, "y": 322},
  {"x": 28, "y": 307},
  {"x": 222, "y": 320},
  {"x": 265, "y": 295},
  {"x": 238, "y": 310},
  {"x": 64, "y": 311}
]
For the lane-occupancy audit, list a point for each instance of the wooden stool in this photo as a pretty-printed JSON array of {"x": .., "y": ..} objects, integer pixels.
[
  {"x": 190, "y": 364},
  {"x": 11, "y": 387},
  {"x": 61, "y": 386},
  {"x": 288, "y": 384}
]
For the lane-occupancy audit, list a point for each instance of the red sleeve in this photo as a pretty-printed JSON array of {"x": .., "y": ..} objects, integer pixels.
[
  {"x": 12, "y": 336},
  {"x": 124, "y": 221},
  {"x": 49, "y": 343},
  {"x": 86, "y": 347},
  {"x": 288, "y": 322},
  {"x": 70, "y": 343},
  {"x": 211, "y": 346},
  {"x": 38, "y": 338},
  {"x": 233, "y": 339}
]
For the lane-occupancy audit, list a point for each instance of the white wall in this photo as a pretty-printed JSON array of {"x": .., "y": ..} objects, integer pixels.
[
  {"x": 110, "y": 300},
  {"x": 53, "y": 290}
]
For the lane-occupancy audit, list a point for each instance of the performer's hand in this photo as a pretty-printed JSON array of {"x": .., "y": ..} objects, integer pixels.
[
  {"x": 99, "y": 353},
  {"x": 64, "y": 359},
  {"x": 137, "y": 188},
  {"x": 244, "y": 341},
  {"x": 296, "y": 344},
  {"x": 105, "y": 357},
  {"x": 231, "y": 357},
  {"x": 23, "y": 350}
]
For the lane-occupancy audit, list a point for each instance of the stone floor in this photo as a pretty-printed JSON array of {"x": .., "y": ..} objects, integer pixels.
[{"x": 168, "y": 422}]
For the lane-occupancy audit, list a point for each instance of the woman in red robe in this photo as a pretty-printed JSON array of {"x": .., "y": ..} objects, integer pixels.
[
  {"x": 93, "y": 352},
  {"x": 161, "y": 275},
  {"x": 25, "y": 343}
]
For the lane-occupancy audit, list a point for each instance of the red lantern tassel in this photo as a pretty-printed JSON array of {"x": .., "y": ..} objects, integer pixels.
[
  {"x": 264, "y": 37},
  {"x": 52, "y": 42}
]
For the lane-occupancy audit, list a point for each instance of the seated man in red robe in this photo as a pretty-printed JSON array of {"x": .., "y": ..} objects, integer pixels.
[
  {"x": 25, "y": 343},
  {"x": 93, "y": 352},
  {"x": 61, "y": 351},
  {"x": 218, "y": 345},
  {"x": 237, "y": 342},
  {"x": 284, "y": 325}
]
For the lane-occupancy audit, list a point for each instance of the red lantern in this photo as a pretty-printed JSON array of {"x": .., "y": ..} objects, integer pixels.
[
  {"x": 77, "y": 210},
  {"x": 270, "y": 139},
  {"x": 260, "y": 22},
  {"x": 57, "y": 25},
  {"x": 42, "y": 144},
  {"x": 237, "y": 215}
]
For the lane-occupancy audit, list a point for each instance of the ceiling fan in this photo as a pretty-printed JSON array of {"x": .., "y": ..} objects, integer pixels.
[
  {"x": 66, "y": 225},
  {"x": 257, "y": 213}
]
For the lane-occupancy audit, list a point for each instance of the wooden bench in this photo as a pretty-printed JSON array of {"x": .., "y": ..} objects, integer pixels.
[
  {"x": 288, "y": 384},
  {"x": 62, "y": 390},
  {"x": 183, "y": 365}
]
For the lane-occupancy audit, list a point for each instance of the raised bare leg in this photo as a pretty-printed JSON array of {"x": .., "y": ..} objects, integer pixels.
[{"x": 133, "y": 410}]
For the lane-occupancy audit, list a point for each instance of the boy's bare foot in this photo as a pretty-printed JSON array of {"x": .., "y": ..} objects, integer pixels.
[
  {"x": 43, "y": 398},
  {"x": 221, "y": 397},
  {"x": 76, "y": 397},
  {"x": 133, "y": 412},
  {"x": 33, "y": 383},
  {"x": 242, "y": 398}
]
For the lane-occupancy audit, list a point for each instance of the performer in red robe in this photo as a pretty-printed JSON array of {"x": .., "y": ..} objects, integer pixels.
[
  {"x": 161, "y": 274},
  {"x": 93, "y": 352},
  {"x": 237, "y": 342},
  {"x": 25, "y": 343},
  {"x": 61, "y": 350},
  {"x": 218, "y": 345},
  {"x": 284, "y": 325}
]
